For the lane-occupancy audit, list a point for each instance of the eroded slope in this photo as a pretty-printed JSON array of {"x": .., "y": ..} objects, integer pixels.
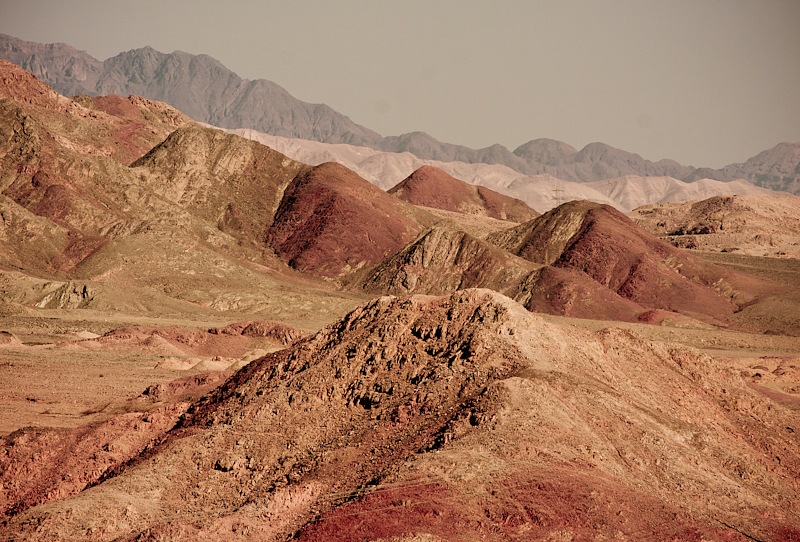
[{"x": 457, "y": 417}]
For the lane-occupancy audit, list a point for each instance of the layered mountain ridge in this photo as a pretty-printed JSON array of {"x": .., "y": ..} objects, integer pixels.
[{"x": 203, "y": 88}]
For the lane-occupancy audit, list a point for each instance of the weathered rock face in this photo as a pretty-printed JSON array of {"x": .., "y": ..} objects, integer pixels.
[
  {"x": 69, "y": 295},
  {"x": 332, "y": 222},
  {"x": 464, "y": 414},
  {"x": 431, "y": 187}
]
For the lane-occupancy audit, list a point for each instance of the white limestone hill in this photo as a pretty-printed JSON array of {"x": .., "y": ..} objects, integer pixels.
[{"x": 541, "y": 192}]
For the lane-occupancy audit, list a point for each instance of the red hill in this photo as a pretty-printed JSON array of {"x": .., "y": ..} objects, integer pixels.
[
  {"x": 331, "y": 222},
  {"x": 569, "y": 292},
  {"x": 431, "y": 187},
  {"x": 607, "y": 246}
]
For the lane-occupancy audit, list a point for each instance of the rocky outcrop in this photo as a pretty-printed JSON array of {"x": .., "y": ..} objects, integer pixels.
[
  {"x": 69, "y": 295},
  {"x": 753, "y": 225},
  {"x": 442, "y": 398}
]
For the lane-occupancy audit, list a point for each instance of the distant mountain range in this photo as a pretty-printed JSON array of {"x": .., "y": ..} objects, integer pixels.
[
  {"x": 541, "y": 192},
  {"x": 204, "y": 89}
]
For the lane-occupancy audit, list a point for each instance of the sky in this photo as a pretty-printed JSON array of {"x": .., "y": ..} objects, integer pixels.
[{"x": 703, "y": 82}]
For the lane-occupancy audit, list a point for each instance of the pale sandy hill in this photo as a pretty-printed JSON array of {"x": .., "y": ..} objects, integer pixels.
[
  {"x": 545, "y": 192},
  {"x": 541, "y": 192},
  {"x": 757, "y": 225},
  {"x": 633, "y": 191},
  {"x": 381, "y": 168}
]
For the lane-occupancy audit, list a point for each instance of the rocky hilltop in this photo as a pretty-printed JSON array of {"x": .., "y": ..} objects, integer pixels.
[
  {"x": 204, "y": 89},
  {"x": 463, "y": 414}
]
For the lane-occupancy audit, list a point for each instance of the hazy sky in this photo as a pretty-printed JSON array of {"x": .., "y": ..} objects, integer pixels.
[{"x": 704, "y": 82}]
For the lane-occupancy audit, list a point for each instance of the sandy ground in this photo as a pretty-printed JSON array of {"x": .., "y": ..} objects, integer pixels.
[{"x": 53, "y": 374}]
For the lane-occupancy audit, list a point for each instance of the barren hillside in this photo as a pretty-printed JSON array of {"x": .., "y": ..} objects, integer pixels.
[
  {"x": 763, "y": 225},
  {"x": 465, "y": 414},
  {"x": 196, "y": 343}
]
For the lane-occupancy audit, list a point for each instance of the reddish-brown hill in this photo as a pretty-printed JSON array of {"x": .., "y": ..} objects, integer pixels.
[
  {"x": 571, "y": 292},
  {"x": 461, "y": 418},
  {"x": 607, "y": 246},
  {"x": 61, "y": 161},
  {"x": 332, "y": 222},
  {"x": 24, "y": 88},
  {"x": 429, "y": 186}
]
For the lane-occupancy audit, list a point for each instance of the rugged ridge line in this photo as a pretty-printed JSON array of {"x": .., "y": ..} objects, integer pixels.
[{"x": 203, "y": 88}]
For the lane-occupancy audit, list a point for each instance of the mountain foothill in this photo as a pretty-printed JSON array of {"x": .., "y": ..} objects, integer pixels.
[{"x": 268, "y": 348}]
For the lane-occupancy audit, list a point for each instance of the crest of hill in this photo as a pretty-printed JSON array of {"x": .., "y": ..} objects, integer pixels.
[
  {"x": 429, "y": 186},
  {"x": 444, "y": 259},
  {"x": 22, "y": 87},
  {"x": 332, "y": 222},
  {"x": 545, "y": 151},
  {"x": 598, "y": 161},
  {"x": 234, "y": 183},
  {"x": 564, "y": 421},
  {"x": 607, "y": 246}
]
